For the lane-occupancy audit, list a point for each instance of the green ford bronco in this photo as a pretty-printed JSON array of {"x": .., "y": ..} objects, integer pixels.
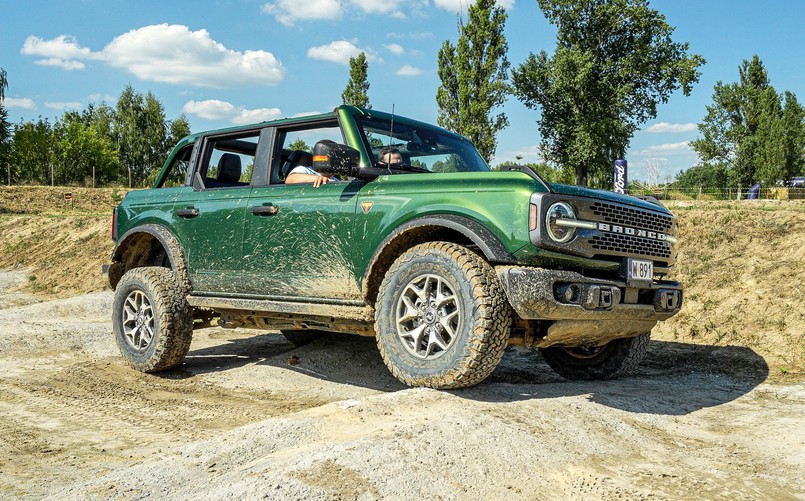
[{"x": 443, "y": 261}]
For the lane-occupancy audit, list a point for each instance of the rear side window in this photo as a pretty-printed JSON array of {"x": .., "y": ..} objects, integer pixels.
[{"x": 228, "y": 161}]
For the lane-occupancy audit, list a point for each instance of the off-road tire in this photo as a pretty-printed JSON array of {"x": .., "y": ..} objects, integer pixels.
[
  {"x": 302, "y": 337},
  {"x": 481, "y": 332},
  {"x": 617, "y": 358},
  {"x": 153, "y": 297}
]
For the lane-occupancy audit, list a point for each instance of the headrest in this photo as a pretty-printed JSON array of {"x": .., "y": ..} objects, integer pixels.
[{"x": 229, "y": 168}]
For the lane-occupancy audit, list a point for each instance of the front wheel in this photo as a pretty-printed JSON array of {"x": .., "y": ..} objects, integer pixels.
[
  {"x": 617, "y": 358},
  {"x": 442, "y": 319},
  {"x": 152, "y": 321}
]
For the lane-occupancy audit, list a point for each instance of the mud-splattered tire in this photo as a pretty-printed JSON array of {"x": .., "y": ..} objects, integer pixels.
[
  {"x": 613, "y": 360},
  {"x": 152, "y": 321},
  {"x": 442, "y": 319},
  {"x": 302, "y": 337}
]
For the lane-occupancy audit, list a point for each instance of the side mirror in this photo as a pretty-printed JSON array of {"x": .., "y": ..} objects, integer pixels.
[{"x": 335, "y": 158}]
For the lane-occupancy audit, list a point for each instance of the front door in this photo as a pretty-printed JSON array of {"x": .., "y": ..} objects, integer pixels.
[{"x": 298, "y": 241}]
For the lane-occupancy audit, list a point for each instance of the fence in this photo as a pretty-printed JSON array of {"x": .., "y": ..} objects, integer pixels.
[{"x": 702, "y": 193}]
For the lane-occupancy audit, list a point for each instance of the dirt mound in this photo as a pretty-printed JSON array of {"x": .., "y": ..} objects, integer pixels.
[
  {"x": 59, "y": 199},
  {"x": 743, "y": 267}
]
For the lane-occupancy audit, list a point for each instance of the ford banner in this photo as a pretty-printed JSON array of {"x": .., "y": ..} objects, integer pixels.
[{"x": 621, "y": 179}]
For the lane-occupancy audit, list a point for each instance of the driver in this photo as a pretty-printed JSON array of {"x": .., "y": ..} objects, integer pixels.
[{"x": 390, "y": 157}]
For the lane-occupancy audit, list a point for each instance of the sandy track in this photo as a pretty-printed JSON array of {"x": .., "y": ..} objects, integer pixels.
[{"x": 236, "y": 420}]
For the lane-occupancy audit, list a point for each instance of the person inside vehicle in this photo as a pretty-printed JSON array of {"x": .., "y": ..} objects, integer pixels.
[
  {"x": 390, "y": 157},
  {"x": 304, "y": 174}
]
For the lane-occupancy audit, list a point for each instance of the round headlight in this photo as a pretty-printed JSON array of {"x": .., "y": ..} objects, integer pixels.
[{"x": 558, "y": 212}]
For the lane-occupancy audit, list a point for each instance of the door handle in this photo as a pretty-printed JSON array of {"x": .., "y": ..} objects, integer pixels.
[
  {"x": 265, "y": 210},
  {"x": 187, "y": 213}
]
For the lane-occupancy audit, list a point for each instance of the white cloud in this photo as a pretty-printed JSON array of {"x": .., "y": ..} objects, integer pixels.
[
  {"x": 213, "y": 109},
  {"x": 62, "y": 47},
  {"x": 106, "y": 98},
  {"x": 257, "y": 115},
  {"x": 463, "y": 5},
  {"x": 660, "y": 127},
  {"x": 395, "y": 49},
  {"x": 422, "y": 35},
  {"x": 174, "y": 54},
  {"x": 23, "y": 102},
  {"x": 375, "y": 7},
  {"x": 669, "y": 148},
  {"x": 62, "y": 52},
  {"x": 165, "y": 53},
  {"x": 289, "y": 11},
  {"x": 61, "y": 63},
  {"x": 60, "y": 105},
  {"x": 340, "y": 52},
  {"x": 409, "y": 71}
]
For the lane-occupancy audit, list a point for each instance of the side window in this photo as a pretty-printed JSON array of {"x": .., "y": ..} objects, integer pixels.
[
  {"x": 294, "y": 147},
  {"x": 177, "y": 172},
  {"x": 228, "y": 161}
]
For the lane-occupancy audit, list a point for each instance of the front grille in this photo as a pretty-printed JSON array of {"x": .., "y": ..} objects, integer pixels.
[
  {"x": 622, "y": 231},
  {"x": 632, "y": 217},
  {"x": 626, "y": 244}
]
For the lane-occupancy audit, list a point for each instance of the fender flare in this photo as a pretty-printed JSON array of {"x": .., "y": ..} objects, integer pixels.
[
  {"x": 167, "y": 240},
  {"x": 486, "y": 241}
]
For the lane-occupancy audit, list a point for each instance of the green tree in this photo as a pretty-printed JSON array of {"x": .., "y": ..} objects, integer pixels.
[
  {"x": 33, "y": 153},
  {"x": 614, "y": 62},
  {"x": 548, "y": 172},
  {"x": 758, "y": 133},
  {"x": 300, "y": 144},
  {"x": 712, "y": 175},
  {"x": 85, "y": 154},
  {"x": 355, "y": 93},
  {"x": 474, "y": 77},
  {"x": 177, "y": 129},
  {"x": 140, "y": 133}
]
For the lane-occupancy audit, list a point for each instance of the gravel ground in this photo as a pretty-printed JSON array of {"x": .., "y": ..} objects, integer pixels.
[{"x": 251, "y": 416}]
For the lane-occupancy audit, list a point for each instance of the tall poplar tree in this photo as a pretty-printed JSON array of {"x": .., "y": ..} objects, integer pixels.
[
  {"x": 614, "y": 62},
  {"x": 357, "y": 88},
  {"x": 474, "y": 77}
]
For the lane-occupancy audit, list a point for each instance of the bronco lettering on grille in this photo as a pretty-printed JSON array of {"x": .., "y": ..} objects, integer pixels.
[{"x": 635, "y": 232}]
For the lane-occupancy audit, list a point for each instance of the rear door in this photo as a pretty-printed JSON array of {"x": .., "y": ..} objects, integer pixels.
[{"x": 209, "y": 216}]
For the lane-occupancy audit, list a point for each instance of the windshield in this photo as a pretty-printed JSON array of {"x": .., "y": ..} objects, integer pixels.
[{"x": 422, "y": 148}]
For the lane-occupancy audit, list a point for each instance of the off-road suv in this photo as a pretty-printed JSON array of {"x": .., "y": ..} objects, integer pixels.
[{"x": 442, "y": 260}]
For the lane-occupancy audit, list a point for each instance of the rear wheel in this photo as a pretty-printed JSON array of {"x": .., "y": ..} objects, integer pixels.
[
  {"x": 152, "y": 321},
  {"x": 442, "y": 319},
  {"x": 617, "y": 358}
]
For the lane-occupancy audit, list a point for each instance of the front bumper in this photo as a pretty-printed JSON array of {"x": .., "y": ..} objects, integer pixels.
[{"x": 584, "y": 310}]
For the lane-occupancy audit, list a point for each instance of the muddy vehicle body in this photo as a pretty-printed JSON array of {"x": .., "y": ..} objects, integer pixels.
[{"x": 444, "y": 261}]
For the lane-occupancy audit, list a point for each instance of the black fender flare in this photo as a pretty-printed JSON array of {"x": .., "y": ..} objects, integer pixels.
[
  {"x": 486, "y": 241},
  {"x": 167, "y": 240}
]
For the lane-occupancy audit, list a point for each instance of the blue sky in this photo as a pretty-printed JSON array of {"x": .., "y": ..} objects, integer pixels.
[{"x": 239, "y": 61}]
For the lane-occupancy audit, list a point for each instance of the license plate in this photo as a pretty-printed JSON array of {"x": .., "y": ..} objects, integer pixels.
[{"x": 639, "y": 271}]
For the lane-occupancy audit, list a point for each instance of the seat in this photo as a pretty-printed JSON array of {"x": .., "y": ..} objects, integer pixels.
[
  {"x": 229, "y": 169},
  {"x": 295, "y": 158}
]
